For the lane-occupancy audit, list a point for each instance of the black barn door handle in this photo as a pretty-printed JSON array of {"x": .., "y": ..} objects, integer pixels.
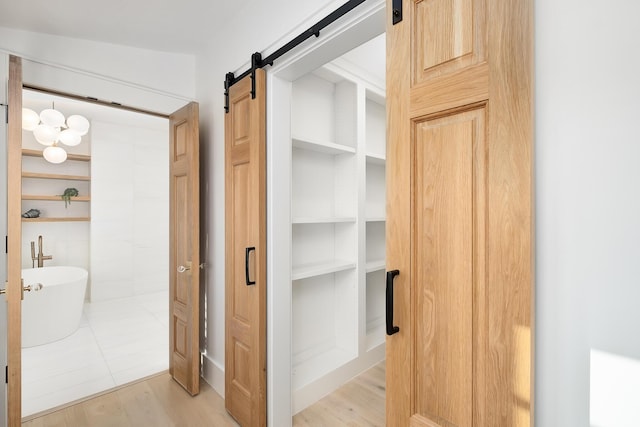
[
  {"x": 247, "y": 251},
  {"x": 389, "y": 302}
]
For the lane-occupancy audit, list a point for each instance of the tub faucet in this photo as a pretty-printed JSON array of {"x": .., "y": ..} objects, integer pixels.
[{"x": 40, "y": 257}]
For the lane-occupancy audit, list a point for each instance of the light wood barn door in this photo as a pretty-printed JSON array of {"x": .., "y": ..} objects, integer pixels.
[
  {"x": 184, "y": 277},
  {"x": 245, "y": 292},
  {"x": 460, "y": 214}
]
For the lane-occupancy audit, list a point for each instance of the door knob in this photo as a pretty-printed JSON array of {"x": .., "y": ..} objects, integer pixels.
[
  {"x": 35, "y": 287},
  {"x": 182, "y": 268}
]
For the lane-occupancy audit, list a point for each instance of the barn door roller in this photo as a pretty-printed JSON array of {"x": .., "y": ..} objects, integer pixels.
[{"x": 258, "y": 62}]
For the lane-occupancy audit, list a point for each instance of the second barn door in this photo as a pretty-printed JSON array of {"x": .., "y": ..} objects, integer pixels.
[{"x": 245, "y": 289}]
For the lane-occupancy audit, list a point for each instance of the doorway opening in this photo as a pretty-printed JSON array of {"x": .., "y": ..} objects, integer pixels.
[
  {"x": 327, "y": 121},
  {"x": 117, "y": 230}
]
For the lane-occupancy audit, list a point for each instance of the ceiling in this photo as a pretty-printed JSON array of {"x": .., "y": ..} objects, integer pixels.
[{"x": 184, "y": 26}]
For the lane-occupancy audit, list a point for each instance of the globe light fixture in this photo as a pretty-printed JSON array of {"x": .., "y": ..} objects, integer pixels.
[
  {"x": 54, "y": 154},
  {"x": 50, "y": 128}
]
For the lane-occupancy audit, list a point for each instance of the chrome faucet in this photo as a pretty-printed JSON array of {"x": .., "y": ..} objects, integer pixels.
[{"x": 40, "y": 258}]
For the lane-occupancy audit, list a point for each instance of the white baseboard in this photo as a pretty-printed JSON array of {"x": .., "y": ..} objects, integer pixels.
[{"x": 213, "y": 374}]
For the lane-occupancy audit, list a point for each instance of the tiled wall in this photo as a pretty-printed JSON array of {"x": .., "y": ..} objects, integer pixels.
[{"x": 129, "y": 245}]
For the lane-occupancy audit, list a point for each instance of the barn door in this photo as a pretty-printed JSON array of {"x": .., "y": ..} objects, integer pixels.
[
  {"x": 245, "y": 292},
  {"x": 184, "y": 265},
  {"x": 459, "y": 213}
]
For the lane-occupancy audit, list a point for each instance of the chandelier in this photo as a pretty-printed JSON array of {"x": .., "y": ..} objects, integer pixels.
[{"x": 50, "y": 129}]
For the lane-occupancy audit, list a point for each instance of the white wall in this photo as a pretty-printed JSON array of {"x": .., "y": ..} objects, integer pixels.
[
  {"x": 155, "y": 81},
  {"x": 587, "y": 198},
  {"x": 129, "y": 209}
]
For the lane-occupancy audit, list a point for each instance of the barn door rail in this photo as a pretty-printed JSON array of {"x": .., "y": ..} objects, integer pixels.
[{"x": 258, "y": 62}]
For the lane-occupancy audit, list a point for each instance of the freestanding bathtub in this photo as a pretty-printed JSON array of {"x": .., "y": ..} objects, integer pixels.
[{"x": 53, "y": 312}]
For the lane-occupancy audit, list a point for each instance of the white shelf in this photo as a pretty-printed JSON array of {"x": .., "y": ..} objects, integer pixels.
[
  {"x": 319, "y": 268},
  {"x": 311, "y": 220},
  {"x": 375, "y": 265},
  {"x": 325, "y": 147},
  {"x": 377, "y": 219},
  {"x": 376, "y": 159},
  {"x": 338, "y": 133}
]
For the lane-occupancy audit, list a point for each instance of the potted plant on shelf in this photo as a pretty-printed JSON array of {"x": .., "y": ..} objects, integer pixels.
[{"x": 68, "y": 194}]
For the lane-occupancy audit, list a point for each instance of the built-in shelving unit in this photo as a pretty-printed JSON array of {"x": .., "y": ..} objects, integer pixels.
[
  {"x": 42, "y": 186},
  {"x": 337, "y": 229}
]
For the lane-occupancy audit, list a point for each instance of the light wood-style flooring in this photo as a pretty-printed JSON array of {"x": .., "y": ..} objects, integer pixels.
[
  {"x": 360, "y": 402},
  {"x": 159, "y": 401}
]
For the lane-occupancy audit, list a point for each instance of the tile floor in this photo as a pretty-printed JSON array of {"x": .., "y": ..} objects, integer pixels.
[{"x": 118, "y": 341}]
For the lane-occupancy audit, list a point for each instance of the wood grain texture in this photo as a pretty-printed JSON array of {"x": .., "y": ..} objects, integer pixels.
[
  {"x": 158, "y": 401},
  {"x": 54, "y": 198},
  {"x": 453, "y": 37},
  {"x": 184, "y": 288},
  {"x": 55, "y": 176},
  {"x": 360, "y": 402},
  {"x": 38, "y": 153},
  {"x": 494, "y": 82},
  {"x": 245, "y": 212},
  {"x": 398, "y": 225},
  {"x": 510, "y": 222},
  {"x": 444, "y": 205},
  {"x": 464, "y": 87},
  {"x": 14, "y": 240},
  {"x": 58, "y": 219}
]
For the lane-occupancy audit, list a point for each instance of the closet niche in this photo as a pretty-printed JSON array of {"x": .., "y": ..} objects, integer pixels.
[{"x": 337, "y": 227}]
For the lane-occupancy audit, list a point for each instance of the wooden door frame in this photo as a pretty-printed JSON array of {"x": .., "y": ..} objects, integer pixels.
[
  {"x": 362, "y": 24},
  {"x": 14, "y": 245},
  {"x": 14, "y": 414}
]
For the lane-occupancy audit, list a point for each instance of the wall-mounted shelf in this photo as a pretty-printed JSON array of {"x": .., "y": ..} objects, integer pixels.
[
  {"x": 44, "y": 187},
  {"x": 55, "y": 176},
  {"x": 54, "y": 198},
  {"x": 76, "y": 157},
  {"x": 68, "y": 219}
]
